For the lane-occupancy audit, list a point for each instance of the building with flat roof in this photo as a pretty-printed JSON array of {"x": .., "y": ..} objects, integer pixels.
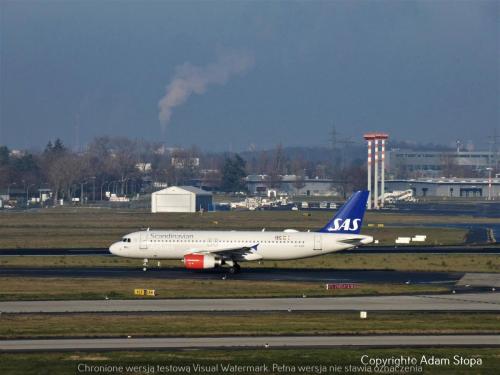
[
  {"x": 291, "y": 184},
  {"x": 448, "y": 187},
  {"x": 405, "y": 163}
]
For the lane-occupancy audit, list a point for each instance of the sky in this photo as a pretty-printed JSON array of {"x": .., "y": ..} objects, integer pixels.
[{"x": 234, "y": 75}]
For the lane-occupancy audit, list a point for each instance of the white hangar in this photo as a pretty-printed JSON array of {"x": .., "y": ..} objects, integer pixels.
[{"x": 181, "y": 199}]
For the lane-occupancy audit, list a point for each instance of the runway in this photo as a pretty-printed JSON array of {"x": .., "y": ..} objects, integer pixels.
[
  {"x": 443, "y": 302},
  {"x": 251, "y": 342},
  {"x": 255, "y": 274},
  {"x": 362, "y": 250}
]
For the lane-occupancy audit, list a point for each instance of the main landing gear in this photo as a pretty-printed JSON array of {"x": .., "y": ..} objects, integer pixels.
[{"x": 235, "y": 268}]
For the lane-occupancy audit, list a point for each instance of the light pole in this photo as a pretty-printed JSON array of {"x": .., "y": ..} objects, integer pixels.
[
  {"x": 102, "y": 186},
  {"x": 108, "y": 187},
  {"x": 27, "y": 194},
  {"x": 82, "y": 183},
  {"x": 125, "y": 181},
  {"x": 93, "y": 188},
  {"x": 131, "y": 185},
  {"x": 123, "y": 185},
  {"x": 489, "y": 169},
  {"x": 8, "y": 188},
  {"x": 81, "y": 191},
  {"x": 111, "y": 183}
]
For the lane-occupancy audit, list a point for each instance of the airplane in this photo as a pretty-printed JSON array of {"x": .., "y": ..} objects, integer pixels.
[{"x": 211, "y": 249}]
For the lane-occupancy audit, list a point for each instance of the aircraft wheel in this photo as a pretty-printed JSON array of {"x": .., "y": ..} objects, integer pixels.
[{"x": 233, "y": 270}]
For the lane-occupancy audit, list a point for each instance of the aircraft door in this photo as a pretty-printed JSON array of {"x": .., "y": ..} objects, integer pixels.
[
  {"x": 317, "y": 242},
  {"x": 143, "y": 244}
]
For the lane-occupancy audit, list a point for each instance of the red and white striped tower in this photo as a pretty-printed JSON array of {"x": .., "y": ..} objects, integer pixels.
[
  {"x": 375, "y": 138},
  {"x": 369, "y": 137},
  {"x": 489, "y": 169},
  {"x": 382, "y": 138},
  {"x": 369, "y": 173},
  {"x": 375, "y": 177}
]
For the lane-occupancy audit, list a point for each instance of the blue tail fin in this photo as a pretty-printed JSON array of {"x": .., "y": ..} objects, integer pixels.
[{"x": 349, "y": 217}]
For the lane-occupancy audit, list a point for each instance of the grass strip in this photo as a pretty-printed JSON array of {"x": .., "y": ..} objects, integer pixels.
[
  {"x": 338, "y": 261},
  {"x": 26, "y": 288},
  {"x": 238, "y": 324},
  {"x": 184, "y": 361}
]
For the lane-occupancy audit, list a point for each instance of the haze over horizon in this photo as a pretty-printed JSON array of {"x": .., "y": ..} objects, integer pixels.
[{"x": 227, "y": 75}]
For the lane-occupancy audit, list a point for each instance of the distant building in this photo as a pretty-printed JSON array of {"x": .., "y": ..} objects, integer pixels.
[
  {"x": 13, "y": 193},
  {"x": 403, "y": 163},
  {"x": 180, "y": 199},
  {"x": 291, "y": 184},
  {"x": 447, "y": 187},
  {"x": 45, "y": 194},
  {"x": 17, "y": 153},
  {"x": 184, "y": 162},
  {"x": 143, "y": 167},
  {"x": 159, "y": 184}
]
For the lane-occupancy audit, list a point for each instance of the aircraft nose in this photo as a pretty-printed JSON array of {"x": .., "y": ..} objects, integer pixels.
[{"x": 113, "y": 249}]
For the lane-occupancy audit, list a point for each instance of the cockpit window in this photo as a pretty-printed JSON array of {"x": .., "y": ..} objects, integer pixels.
[{"x": 126, "y": 240}]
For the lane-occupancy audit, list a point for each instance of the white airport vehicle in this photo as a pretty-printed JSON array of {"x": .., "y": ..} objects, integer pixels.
[
  {"x": 210, "y": 249},
  {"x": 399, "y": 196}
]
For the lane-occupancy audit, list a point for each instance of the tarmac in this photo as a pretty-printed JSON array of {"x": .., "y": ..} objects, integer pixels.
[
  {"x": 254, "y": 274},
  {"x": 480, "y": 279},
  {"x": 442, "y": 302},
  {"x": 488, "y": 249},
  {"x": 250, "y": 342}
]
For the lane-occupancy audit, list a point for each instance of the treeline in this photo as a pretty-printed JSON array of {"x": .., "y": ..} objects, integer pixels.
[
  {"x": 120, "y": 165},
  {"x": 126, "y": 167}
]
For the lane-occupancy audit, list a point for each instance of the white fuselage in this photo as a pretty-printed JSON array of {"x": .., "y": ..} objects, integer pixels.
[{"x": 154, "y": 244}]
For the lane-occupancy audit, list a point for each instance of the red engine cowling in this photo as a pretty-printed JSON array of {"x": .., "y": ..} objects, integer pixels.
[{"x": 201, "y": 261}]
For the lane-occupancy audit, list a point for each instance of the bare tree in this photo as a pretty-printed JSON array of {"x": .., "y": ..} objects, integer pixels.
[
  {"x": 124, "y": 158},
  {"x": 278, "y": 167},
  {"x": 62, "y": 172}
]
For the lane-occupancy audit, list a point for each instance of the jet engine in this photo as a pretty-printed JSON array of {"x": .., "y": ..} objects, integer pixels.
[{"x": 201, "y": 261}]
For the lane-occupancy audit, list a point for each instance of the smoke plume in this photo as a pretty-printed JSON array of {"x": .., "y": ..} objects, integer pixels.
[{"x": 191, "y": 79}]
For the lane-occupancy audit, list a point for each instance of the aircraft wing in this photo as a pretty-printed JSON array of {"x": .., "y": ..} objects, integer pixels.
[{"x": 235, "y": 253}]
